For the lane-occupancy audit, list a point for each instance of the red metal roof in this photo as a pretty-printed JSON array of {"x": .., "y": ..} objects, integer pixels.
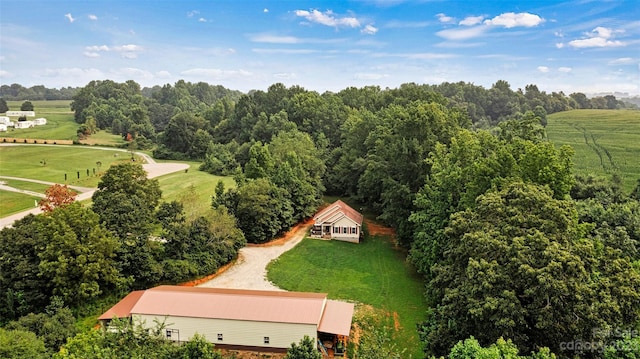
[
  {"x": 123, "y": 308},
  {"x": 238, "y": 304},
  {"x": 335, "y": 211},
  {"x": 336, "y": 318}
]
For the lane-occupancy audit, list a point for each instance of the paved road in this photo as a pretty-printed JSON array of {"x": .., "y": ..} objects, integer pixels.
[
  {"x": 250, "y": 270},
  {"x": 152, "y": 168}
]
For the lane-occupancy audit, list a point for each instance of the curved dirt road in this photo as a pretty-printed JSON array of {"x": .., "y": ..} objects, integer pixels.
[{"x": 250, "y": 270}]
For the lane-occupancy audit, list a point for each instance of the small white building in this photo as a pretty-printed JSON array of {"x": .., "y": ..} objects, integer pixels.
[
  {"x": 338, "y": 221},
  {"x": 3, "y": 127},
  {"x": 4, "y": 120},
  {"x": 238, "y": 319},
  {"x": 40, "y": 121},
  {"x": 24, "y": 124}
]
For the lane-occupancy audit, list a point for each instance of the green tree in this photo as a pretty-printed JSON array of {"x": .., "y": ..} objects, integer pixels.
[
  {"x": 26, "y": 106},
  {"x": 517, "y": 266},
  {"x": 3, "y": 106},
  {"x": 198, "y": 348},
  {"x": 53, "y": 327},
  {"x": 20, "y": 344},
  {"x": 263, "y": 210},
  {"x": 306, "y": 349},
  {"x": 126, "y": 200}
]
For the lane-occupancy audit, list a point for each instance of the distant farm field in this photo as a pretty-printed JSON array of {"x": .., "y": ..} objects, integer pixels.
[
  {"x": 605, "y": 141},
  {"x": 60, "y": 125}
]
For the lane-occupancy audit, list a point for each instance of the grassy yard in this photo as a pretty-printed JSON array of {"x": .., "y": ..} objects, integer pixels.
[
  {"x": 372, "y": 272},
  {"x": 176, "y": 185},
  {"x": 51, "y": 163},
  {"x": 13, "y": 202},
  {"x": 605, "y": 141}
]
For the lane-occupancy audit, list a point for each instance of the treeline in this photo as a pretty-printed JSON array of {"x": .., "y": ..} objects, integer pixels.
[
  {"x": 72, "y": 256},
  {"x": 511, "y": 245}
]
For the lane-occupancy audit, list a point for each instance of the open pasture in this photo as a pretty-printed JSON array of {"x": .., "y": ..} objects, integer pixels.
[
  {"x": 605, "y": 142},
  {"x": 51, "y": 163},
  {"x": 60, "y": 123}
]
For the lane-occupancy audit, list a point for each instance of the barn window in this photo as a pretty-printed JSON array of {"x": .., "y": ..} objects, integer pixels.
[
  {"x": 169, "y": 333},
  {"x": 266, "y": 340},
  {"x": 220, "y": 336}
]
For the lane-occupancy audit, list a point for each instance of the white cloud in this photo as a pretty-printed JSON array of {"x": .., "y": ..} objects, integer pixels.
[
  {"x": 328, "y": 18},
  {"x": 599, "y": 37},
  {"x": 274, "y": 39},
  {"x": 163, "y": 74},
  {"x": 285, "y": 75},
  {"x": 92, "y": 17},
  {"x": 559, "y": 45},
  {"x": 202, "y": 19},
  {"x": 285, "y": 51},
  {"x": 543, "y": 69},
  {"x": 69, "y": 17},
  {"x": 369, "y": 30},
  {"x": 91, "y": 54},
  {"x": 217, "y": 74},
  {"x": 265, "y": 10},
  {"x": 96, "y": 48},
  {"x": 192, "y": 13},
  {"x": 511, "y": 19},
  {"x": 444, "y": 18},
  {"x": 369, "y": 76},
  {"x": 462, "y": 34},
  {"x": 565, "y": 69},
  {"x": 622, "y": 61},
  {"x": 128, "y": 48},
  {"x": 471, "y": 20},
  {"x": 4, "y": 73}
]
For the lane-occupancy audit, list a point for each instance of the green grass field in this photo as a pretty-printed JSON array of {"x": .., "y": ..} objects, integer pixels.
[
  {"x": 372, "y": 272},
  {"x": 25, "y": 161},
  {"x": 60, "y": 125},
  {"x": 605, "y": 141}
]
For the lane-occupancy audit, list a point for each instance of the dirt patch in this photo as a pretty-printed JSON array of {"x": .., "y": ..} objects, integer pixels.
[
  {"x": 376, "y": 229},
  {"x": 291, "y": 234}
]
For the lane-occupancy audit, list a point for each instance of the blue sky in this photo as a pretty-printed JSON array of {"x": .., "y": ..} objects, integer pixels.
[{"x": 570, "y": 46}]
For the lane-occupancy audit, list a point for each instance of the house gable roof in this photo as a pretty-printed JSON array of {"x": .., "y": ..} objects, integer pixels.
[{"x": 336, "y": 211}]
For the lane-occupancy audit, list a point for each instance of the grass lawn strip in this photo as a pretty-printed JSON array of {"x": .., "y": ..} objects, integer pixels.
[{"x": 372, "y": 273}]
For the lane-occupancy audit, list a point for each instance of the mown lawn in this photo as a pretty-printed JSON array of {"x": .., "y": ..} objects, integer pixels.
[
  {"x": 176, "y": 185},
  {"x": 51, "y": 163},
  {"x": 605, "y": 141},
  {"x": 372, "y": 272},
  {"x": 60, "y": 123},
  {"x": 13, "y": 202}
]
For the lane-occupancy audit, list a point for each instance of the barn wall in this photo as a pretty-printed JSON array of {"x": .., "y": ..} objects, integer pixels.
[{"x": 234, "y": 332}]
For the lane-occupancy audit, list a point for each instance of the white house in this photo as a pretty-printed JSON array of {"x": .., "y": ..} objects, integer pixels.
[
  {"x": 40, "y": 121},
  {"x": 24, "y": 124},
  {"x": 338, "y": 221},
  {"x": 4, "y": 120},
  {"x": 3, "y": 127},
  {"x": 237, "y": 318}
]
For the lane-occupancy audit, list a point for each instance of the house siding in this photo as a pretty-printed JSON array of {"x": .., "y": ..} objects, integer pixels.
[
  {"x": 348, "y": 224},
  {"x": 234, "y": 332}
]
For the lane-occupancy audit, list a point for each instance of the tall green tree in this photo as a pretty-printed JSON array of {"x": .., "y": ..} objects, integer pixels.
[
  {"x": 518, "y": 266},
  {"x": 126, "y": 200},
  {"x": 3, "y": 105},
  {"x": 26, "y": 106}
]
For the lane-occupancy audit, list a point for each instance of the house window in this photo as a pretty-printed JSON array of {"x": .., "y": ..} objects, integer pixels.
[
  {"x": 219, "y": 336},
  {"x": 336, "y": 229},
  {"x": 168, "y": 333},
  {"x": 354, "y": 230},
  {"x": 266, "y": 340},
  {"x": 345, "y": 230}
]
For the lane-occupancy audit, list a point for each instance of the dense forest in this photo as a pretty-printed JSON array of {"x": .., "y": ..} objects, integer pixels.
[{"x": 517, "y": 253}]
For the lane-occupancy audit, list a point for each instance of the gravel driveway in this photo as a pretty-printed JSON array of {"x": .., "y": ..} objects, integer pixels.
[{"x": 250, "y": 270}]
